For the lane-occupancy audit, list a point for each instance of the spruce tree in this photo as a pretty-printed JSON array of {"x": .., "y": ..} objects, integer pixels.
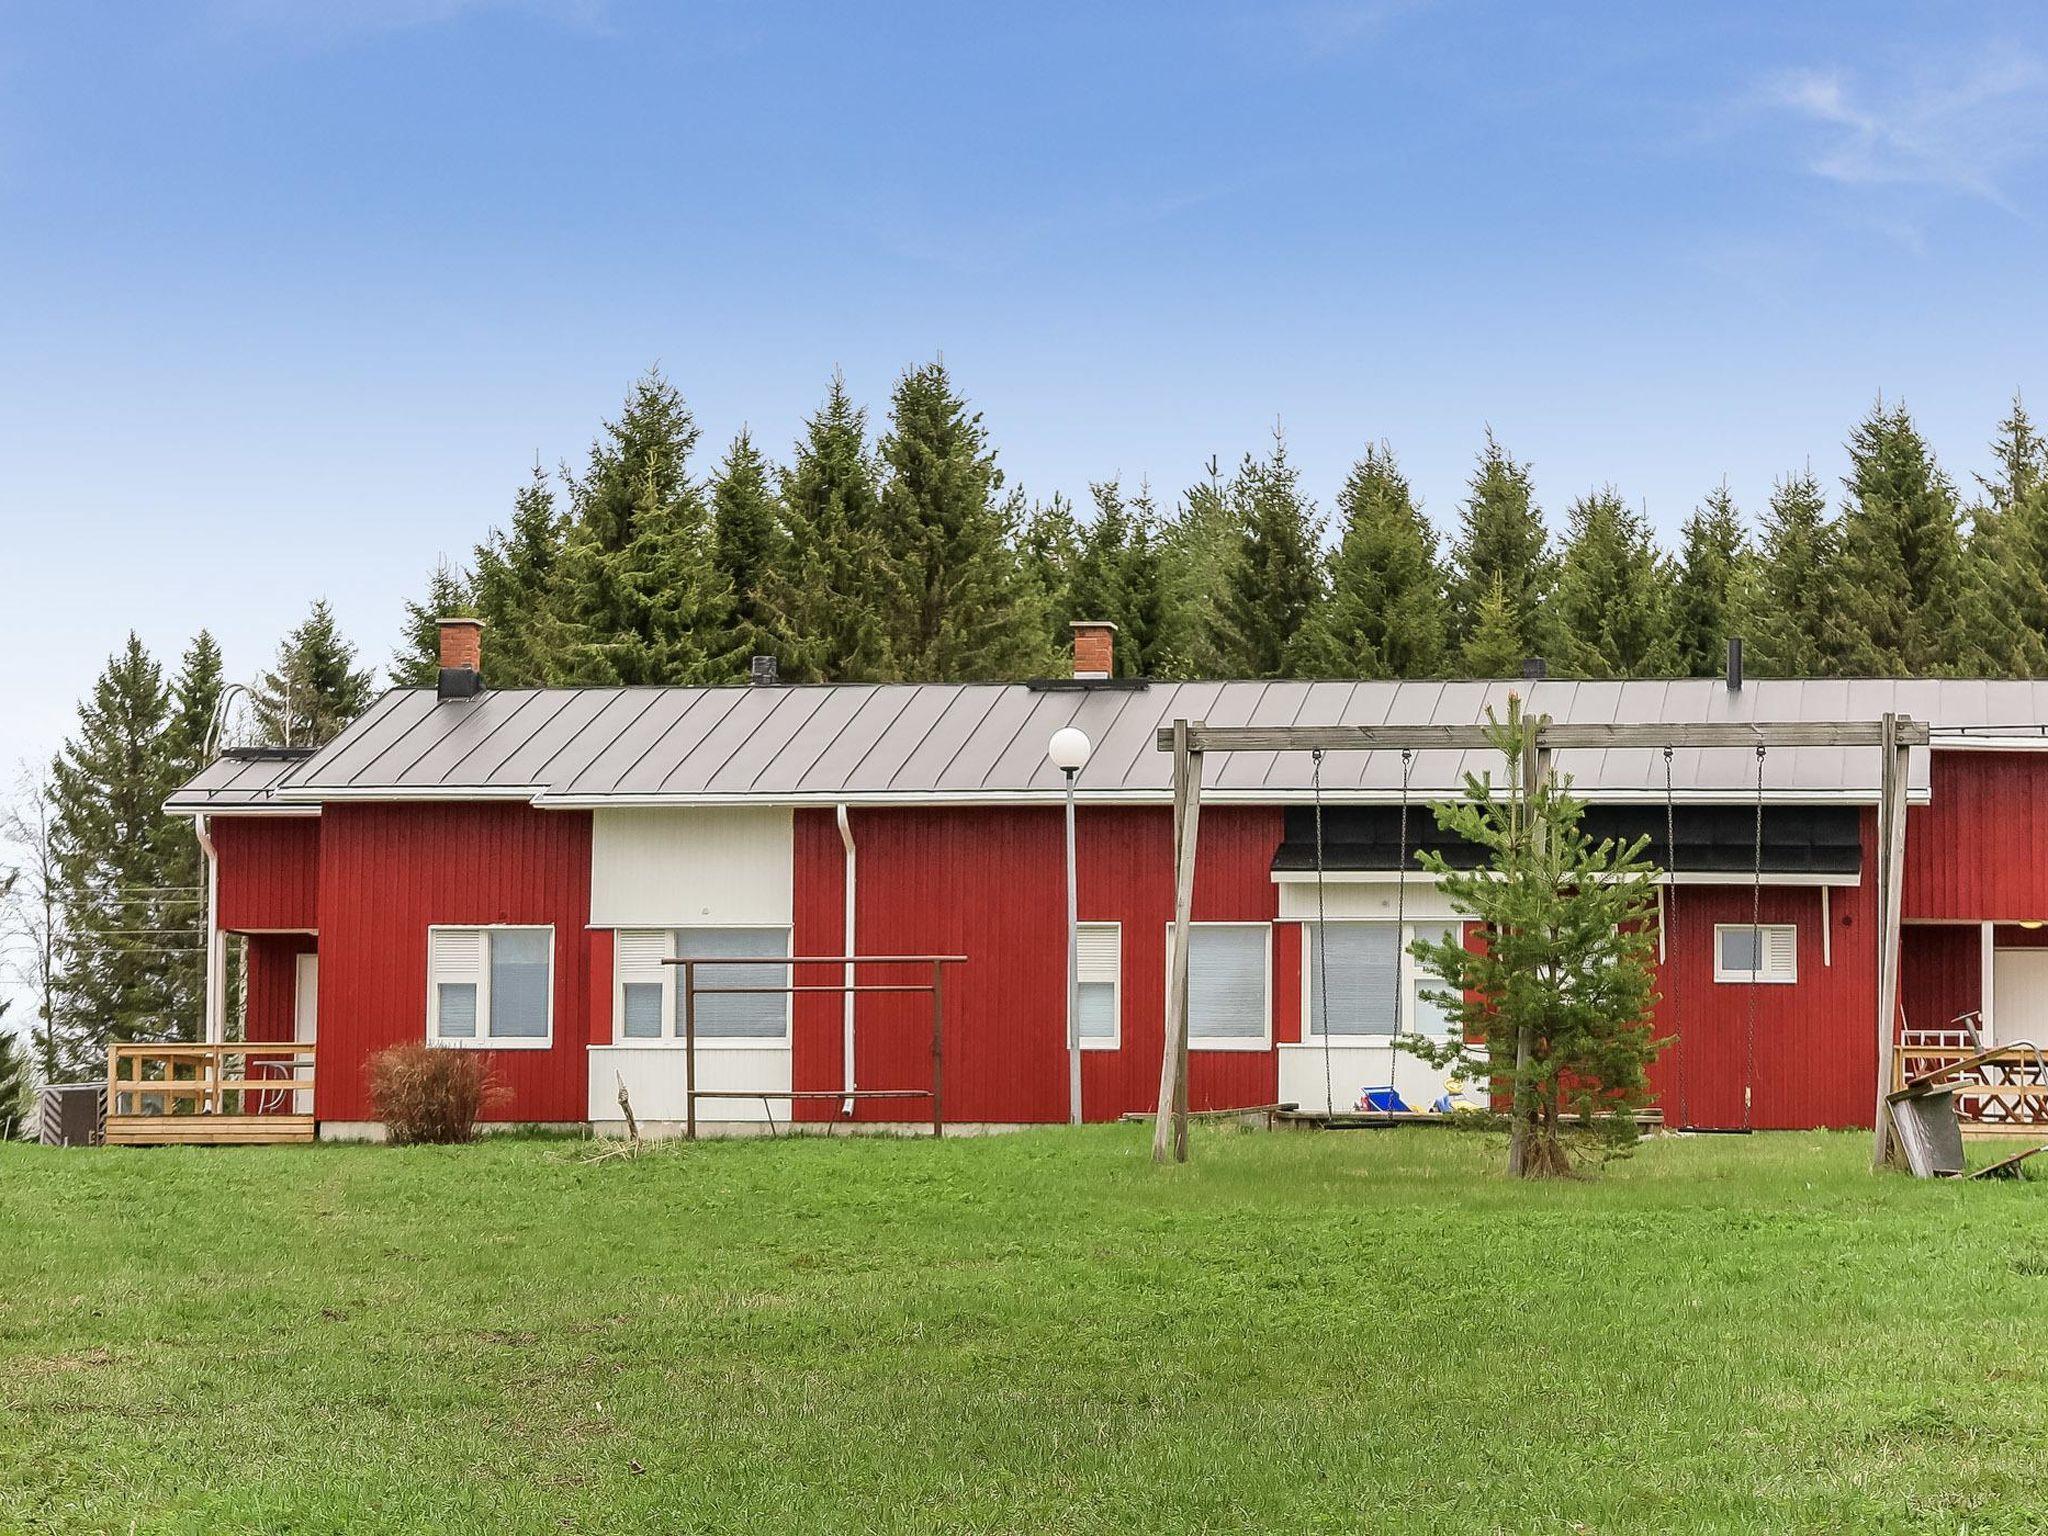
[
  {"x": 1793, "y": 618},
  {"x": 1501, "y": 544},
  {"x": 513, "y": 588},
  {"x": 1495, "y": 648},
  {"x": 1611, "y": 608},
  {"x": 17, "y": 1083},
  {"x": 1116, "y": 576},
  {"x": 2006, "y": 618},
  {"x": 1902, "y": 557},
  {"x": 947, "y": 538},
  {"x": 1386, "y": 615},
  {"x": 120, "y": 942},
  {"x": 1712, "y": 571},
  {"x": 194, "y": 695},
  {"x": 828, "y": 598},
  {"x": 1197, "y": 547},
  {"x": 418, "y": 662},
  {"x": 312, "y": 692},
  {"x": 638, "y": 597},
  {"x": 1273, "y": 587},
  {"x": 748, "y": 540},
  {"x": 1049, "y": 553}
]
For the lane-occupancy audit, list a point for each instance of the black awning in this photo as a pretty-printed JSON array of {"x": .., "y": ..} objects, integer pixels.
[{"x": 1711, "y": 839}]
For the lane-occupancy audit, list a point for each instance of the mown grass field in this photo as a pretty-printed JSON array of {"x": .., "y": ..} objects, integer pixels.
[{"x": 1035, "y": 1332}]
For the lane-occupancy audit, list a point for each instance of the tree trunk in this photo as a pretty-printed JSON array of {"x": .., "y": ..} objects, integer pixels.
[{"x": 1518, "y": 1131}]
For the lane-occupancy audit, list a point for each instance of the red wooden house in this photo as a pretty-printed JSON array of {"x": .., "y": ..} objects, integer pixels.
[{"x": 507, "y": 870}]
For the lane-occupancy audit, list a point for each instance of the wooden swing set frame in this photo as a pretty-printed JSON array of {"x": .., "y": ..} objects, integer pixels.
[{"x": 1893, "y": 735}]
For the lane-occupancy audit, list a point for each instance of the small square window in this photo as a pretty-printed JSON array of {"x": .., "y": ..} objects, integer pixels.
[{"x": 1744, "y": 952}]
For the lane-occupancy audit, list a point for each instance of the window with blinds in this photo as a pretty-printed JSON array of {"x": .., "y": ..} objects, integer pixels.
[
  {"x": 1228, "y": 1005},
  {"x": 1374, "y": 985},
  {"x": 724, "y": 1015},
  {"x": 1100, "y": 951},
  {"x": 644, "y": 982},
  {"x": 490, "y": 986},
  {"x": 1746, "y": 953}
]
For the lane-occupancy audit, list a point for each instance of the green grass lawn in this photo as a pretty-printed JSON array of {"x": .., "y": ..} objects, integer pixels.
[{"x": 1035, "y": 1332}]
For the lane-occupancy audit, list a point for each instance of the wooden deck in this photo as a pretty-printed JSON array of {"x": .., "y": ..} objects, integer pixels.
[
  {"x": 236, "y": 1094},
  {"x": 2003, "y": 1094}
]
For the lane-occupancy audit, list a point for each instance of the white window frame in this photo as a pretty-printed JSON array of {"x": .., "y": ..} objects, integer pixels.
[
  {"x": 1411, "y": 973},
  {"x": 671, "y": 1036},
  {"x": 1761, "y": 976},
  {"x": 1264, "y": 1042},
  {"x": 1114, "y": 1041},
  {"x": 483, "y": 1040}
]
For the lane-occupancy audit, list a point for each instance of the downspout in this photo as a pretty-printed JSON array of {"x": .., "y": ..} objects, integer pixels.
[
  {"x": 846, "y": 1002},
  {"x": 216, "y": 1004}
]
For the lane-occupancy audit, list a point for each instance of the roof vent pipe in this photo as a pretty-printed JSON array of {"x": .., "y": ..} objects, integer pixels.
[
  {"x": 1535, "y": 666},
  {"x": 761, "y": 672},
  {"x": 462, "y": 665},
  {"x": 1735, "y": 663}
]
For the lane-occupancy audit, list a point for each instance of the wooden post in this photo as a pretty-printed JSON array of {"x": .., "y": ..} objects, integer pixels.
[
  {"x": 1170, "y": 1125},
  {"x": 1893, "y": 762},
  {"x": 938, "y": 1048},
  {"x": 689, "y": 1050}
]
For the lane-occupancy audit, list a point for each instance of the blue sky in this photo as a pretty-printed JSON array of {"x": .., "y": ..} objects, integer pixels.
[{"x": 295, "y": 292}]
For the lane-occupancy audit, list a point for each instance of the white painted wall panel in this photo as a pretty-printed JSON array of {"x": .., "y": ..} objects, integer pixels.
[
  {"x": 1361, "y": 898},
  {"x": 653, "y": 1076},
  {"x": 688, "y": 866},
  {"x": 1354, "y": 1068}
]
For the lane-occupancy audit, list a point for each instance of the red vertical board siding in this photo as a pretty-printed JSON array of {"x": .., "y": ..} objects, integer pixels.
[
  {"x": 271, "y": 972},
  {"x": 818, "y": 922},
  {"x": 599, "y": 1016},
  {"x": 269, "y": 871},
  {"x": 988, "y": 884},
  {"x": 1809, "y": 1051},
  {"x": 1941, "y": 972},
  {"x": 389, "y": 871},
  {"x": 1979, "y": 850}
]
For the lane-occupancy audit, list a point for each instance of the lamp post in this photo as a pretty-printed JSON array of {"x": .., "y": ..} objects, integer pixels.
[{"x": 1069, "y": 751}]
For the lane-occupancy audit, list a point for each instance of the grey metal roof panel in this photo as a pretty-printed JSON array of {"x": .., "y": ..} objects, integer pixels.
[{"x": 965, "y": 740}]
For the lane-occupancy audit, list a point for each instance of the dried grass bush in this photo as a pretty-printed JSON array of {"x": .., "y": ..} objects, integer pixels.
[{"x": 428, "y": 1096}]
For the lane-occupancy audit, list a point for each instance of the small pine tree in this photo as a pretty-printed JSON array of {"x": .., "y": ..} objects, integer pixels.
[
  {"x": 748, "y": 540},
  {"x": 1793, "y": 616},
  {"x": 1712, "y": 571},
  {"x": 111, "y": 845},
  {"x": 1554, "y": 1006},
  {"x": 1503, "y": 546},
  {"x": 312, "y": 692},
  {"x": 17, "y": 1082},
  {"x": 1902, "y": 553},
  {"x": 1386, "y": 615},
  {"x": 827, "y": 599},
  {"x": 947, "y": 537},
  {"x": 418, "y": 662},
  {"x": 1273, "y": 585},
  {"x": 1611, "y": 608}
]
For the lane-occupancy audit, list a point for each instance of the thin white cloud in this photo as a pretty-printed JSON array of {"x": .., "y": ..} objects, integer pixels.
[{"x": 1971, "y": 132}]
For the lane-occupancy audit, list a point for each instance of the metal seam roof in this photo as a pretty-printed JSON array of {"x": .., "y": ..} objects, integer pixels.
[{"x": 965, "y": 742}]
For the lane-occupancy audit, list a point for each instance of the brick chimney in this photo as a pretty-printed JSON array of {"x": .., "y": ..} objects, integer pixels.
[
  {"x": 1094, "y": 649},
  {"x": 462, "y": 658}
]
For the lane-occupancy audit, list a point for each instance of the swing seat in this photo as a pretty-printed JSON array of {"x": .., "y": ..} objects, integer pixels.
[{"x": 1384, "y": 1101}]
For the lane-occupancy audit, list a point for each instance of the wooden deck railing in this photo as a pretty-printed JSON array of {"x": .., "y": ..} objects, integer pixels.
[
  {"x": 2004, "y": 1088},
  {"x": 238, "y": 1091}
]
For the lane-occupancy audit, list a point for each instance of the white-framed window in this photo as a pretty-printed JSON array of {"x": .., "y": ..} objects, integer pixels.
[
  {"x": 1230, "y": 974},
  {"x": 491, "y": 986},
  {"x": 1743, "y": 952},
  {"x": 647, "y": 993},
  {"x": 1100, "y": 948},
  {"x": 1375, "y": 983}
]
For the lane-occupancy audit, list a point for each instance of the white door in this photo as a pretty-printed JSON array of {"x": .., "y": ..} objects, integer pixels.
[
  {"x": 305, "y": 1018},
  {"x": 2019, "y": 995}
]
